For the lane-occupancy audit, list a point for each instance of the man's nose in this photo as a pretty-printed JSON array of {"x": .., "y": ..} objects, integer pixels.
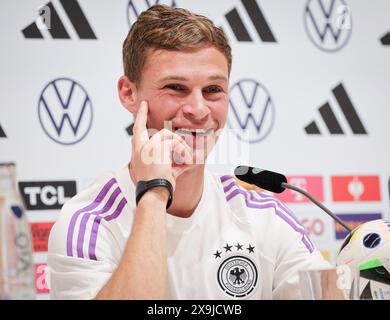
[{"x": 195, "y": 107}]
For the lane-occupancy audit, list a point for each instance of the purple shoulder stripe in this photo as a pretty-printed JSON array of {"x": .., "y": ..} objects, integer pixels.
[
  {"x": 96, "y": 224},
  {"x": 89, "y": 211},
  {"x": 87, "y": 215},
  {"x": 229, "y": 186},
  {"x": 279, "y": 203},
  {"x": 227, "y": 177},
  {"x": 268, "y": 201}
]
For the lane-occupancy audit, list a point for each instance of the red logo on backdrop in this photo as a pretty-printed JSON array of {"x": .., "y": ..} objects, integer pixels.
[
  {"x": 355, "y": 188},
  {"x": 40, "y": 234},
  {"x": 40, "y": 278},
  {"x": 311, "y": 184}
]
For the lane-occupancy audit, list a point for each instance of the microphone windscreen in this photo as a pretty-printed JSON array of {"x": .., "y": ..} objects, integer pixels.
[{"x": 268, "y": 180}]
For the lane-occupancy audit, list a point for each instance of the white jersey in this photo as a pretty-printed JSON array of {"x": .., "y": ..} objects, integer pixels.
[{"x": 237, "y": 244}]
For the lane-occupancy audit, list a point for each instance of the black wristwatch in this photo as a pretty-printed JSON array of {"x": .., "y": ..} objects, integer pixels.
[{"x": 143, "y": 186}]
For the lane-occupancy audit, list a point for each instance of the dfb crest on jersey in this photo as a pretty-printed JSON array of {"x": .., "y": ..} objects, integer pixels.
[
  {"x": 237, "y": 274},
  {"x": 251, "y": 114}
]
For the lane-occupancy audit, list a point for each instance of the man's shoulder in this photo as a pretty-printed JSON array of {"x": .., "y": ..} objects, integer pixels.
[
  {"x": 242, "y": 196},
  {"x": 267, "y": 214},
  {"x": 91, "y": 195},
  {"x": 257, "y": 205},
  {"x": 87, "y": 216}
]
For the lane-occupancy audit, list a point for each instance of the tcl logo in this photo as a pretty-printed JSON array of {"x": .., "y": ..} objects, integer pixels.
[
  {"x": 43, "y": 195},
  {"x": 313, "y": 227},
  {"x": 40, "y": 278}
]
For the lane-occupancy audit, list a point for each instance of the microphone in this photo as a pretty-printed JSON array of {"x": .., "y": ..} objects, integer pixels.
[
  {"x": 264, "y": 179},
  {"x": 276, "y": 182}
]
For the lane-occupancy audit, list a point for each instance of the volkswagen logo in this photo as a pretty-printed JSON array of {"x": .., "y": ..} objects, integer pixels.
[
  {"x": 328, "y": 23},
  {"x": 65, "y": 111},
  {"x": 251, "y": 114}
]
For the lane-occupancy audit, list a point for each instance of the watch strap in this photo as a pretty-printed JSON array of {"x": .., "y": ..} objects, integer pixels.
[{"x": 143, "y": 186}]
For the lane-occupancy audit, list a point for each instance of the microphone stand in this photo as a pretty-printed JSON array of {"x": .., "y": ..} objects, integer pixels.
[{"x": 318, "y": 203}]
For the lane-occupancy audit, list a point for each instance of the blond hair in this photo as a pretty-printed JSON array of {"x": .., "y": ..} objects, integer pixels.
[{"x": 164, "y": 27}]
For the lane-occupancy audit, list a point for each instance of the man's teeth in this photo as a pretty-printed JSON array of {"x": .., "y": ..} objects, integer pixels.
[{"x": 193, "y": 131}]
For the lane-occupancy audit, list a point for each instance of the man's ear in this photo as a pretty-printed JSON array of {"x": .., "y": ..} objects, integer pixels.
[{"x": 127, "y": 92}]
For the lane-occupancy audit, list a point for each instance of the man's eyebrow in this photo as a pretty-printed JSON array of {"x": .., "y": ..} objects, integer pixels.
[
  {"x": 180, "y": 78},
  {"x": 218, "y": 77},
  {"x": 173, "y": 78}
]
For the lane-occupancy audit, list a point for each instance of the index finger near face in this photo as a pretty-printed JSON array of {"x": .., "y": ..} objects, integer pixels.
[{"x": 140, "y": 132}]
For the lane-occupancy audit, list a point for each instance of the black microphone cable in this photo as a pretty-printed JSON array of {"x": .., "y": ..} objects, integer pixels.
[
  {"x": 318, "y": 203},
  {"x": 276, "y": 182}
]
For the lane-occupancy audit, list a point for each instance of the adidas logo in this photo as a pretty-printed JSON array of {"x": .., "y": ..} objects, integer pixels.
[
  {"x": 2, "y": 133},
  {"x": 385, "y": 40},
  {"x": 257, "y": 18},
  {"x": 330, "y": 119},
  {"x": 55, "y": 26}
]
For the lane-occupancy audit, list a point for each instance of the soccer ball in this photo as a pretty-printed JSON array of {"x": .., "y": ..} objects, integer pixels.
[{"x": 367, "y": 248}]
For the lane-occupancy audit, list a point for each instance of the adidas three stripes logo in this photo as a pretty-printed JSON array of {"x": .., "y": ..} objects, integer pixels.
[
  {"x": 57, "y": 29},
  {"x": 257, "y": 18},
  {"x": 328, "y": 116}
]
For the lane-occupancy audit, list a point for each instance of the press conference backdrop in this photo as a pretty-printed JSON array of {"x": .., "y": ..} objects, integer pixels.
[{"x": 309, "y": 97}]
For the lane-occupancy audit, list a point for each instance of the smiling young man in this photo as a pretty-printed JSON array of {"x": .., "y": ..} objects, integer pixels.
[{"x": 165, "y": 227}]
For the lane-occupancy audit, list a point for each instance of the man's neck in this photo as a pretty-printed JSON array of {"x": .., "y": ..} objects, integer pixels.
[{"x": 188, "y": 192}]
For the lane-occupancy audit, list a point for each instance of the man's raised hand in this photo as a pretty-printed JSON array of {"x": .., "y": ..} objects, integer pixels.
[{"x": 152, "y": 157}]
